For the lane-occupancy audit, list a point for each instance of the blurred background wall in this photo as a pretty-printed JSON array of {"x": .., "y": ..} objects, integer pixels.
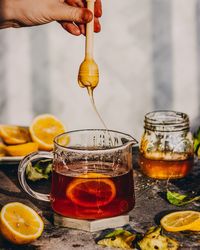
[{"x": 149, "y": 58}]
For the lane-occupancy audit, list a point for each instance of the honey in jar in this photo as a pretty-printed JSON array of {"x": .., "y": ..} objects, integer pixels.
[{"x": 166, "y": 147}]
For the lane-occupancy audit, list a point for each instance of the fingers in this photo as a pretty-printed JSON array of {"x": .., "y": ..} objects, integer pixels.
[
  {"x": 75, "y": 3},
  {"x": 77, "y": 27},
  {"x": 82, "y": 4},
  {"x": 98, "y": 8},
  {"x": 71, "y": 28},
  {"x": 78, "y": 3},
  {"x": 82, "y": 28},
  {"x": 97, "y": 26},
  {"x": 65, "y": 12}
]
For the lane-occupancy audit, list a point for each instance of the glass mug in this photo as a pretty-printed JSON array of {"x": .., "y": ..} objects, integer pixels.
[{"x": 92, "y": 175}]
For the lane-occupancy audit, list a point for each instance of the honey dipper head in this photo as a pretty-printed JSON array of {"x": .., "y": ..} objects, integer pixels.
[{"x": 88, "y": 74}]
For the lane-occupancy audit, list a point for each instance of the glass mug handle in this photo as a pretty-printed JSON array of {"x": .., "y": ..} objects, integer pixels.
[{"x": 22, "y": 170}]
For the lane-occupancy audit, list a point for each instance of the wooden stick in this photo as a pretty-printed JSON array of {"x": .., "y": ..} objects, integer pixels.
[
  {"x": 89, "y": 45},
  {"x": 88, "y": 75}
]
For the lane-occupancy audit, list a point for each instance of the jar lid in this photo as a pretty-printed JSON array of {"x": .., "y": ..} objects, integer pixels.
[{"x": 166, "y": 121}]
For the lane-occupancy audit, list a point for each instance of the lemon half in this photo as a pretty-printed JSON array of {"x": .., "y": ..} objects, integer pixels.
[
  {"x": 181, "y": 221},
  {"x": 20, "y": 224}
]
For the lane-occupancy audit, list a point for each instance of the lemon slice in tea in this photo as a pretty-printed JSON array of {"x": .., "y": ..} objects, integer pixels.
[{"x": 91, "y": 190}]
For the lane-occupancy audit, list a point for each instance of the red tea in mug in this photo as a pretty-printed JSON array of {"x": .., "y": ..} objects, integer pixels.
[
  {"x": 97, "y": 193},
  {"x": 92, "y": 174}
]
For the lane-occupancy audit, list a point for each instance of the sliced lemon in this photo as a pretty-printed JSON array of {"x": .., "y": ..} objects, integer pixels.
[
  {"x": 2, "y": 149},
  {"x": 14, "y": 134},
  {"x": 20, "y": 224},
  {"x": 93, "y": 175},
  {"x": 181, "y": 221},
  {"x": 63, "y": 140},
  {"x": 44, "y": 129},
  {"x": 21, "y": 149},
  {"x": 91, "y": 190}
]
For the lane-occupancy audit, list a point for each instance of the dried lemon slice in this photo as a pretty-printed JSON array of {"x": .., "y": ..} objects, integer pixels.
[
  {"x": 181, "y": 221},
  {"x": 20, "y": 224}
]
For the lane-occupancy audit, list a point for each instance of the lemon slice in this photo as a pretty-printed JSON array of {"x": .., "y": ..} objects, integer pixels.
[
  {"x": 14, "y": 134},
  {"x": 44, "y": 129},
  {"x": 2, "y": 149},
  {"x": 181, "y": 221},
  {"x": 21, "y": 149},
  {"x": 91, "y": 190},
  {"x": 20, "y": 224},
  {"x": 63, "y": 140},
  {"x": 92, "y": 175}
]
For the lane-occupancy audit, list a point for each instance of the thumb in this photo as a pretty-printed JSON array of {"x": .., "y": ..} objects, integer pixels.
[{"x": 65, "y": 12}]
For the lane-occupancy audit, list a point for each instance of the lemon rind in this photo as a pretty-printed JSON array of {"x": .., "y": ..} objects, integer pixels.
[{"x": 16, "y": 233}]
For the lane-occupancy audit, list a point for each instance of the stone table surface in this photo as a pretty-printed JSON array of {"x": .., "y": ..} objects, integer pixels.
[{"x": 150, "y": 206}]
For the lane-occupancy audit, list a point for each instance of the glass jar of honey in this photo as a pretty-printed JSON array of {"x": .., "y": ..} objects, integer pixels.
[{"x": 166, "y": 147}]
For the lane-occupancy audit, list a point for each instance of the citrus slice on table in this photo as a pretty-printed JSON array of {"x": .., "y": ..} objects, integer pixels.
[
  {"x": 44, "y": 129},
  {"x": 91, "y": 190},
  {"x": 181, "y": 221},
  {"x": 21, "y": 149},
  {"x": 20, "y": 224},
  {"x": 14, "y": 134}
]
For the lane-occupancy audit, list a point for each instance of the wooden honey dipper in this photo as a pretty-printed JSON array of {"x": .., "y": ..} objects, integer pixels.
[{"x": 88, "y": 76}]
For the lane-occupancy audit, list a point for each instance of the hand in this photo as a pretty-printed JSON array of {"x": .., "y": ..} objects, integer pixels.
[
  {"x": 71, "y": 14},
  {"x": 78, "y": 28}
]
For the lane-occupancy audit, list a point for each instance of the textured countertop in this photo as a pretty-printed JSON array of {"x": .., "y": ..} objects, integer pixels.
[{"x": 150, "y": 206}]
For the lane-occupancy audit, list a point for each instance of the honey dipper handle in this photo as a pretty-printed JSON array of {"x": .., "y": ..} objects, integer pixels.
[{"x": 89, "y": 32}]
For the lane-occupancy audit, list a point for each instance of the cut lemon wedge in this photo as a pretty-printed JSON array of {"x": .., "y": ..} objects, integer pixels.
[
  {"x": 20, "y": 224},
  {"x": 91, "y": 190},
  {"x": 63, "y": 140},
  {"x": 2, "y": 149},
  {"x": 21, "y": 149},
  {"x": 14, "y": 134},
  {"x": 44, "y": 129},
  {"x": 181, "y": 221}
]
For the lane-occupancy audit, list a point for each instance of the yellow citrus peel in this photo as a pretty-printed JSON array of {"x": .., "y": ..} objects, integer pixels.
[
  {"x": 98, "y": 187},
  {"x": 11, "y": 134},
  {"x": 44, "y": 129},
  {"x": 181, "y": 221},
  {"x": 20, "y": 224},
  {"x": 21, "y": 149}
]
